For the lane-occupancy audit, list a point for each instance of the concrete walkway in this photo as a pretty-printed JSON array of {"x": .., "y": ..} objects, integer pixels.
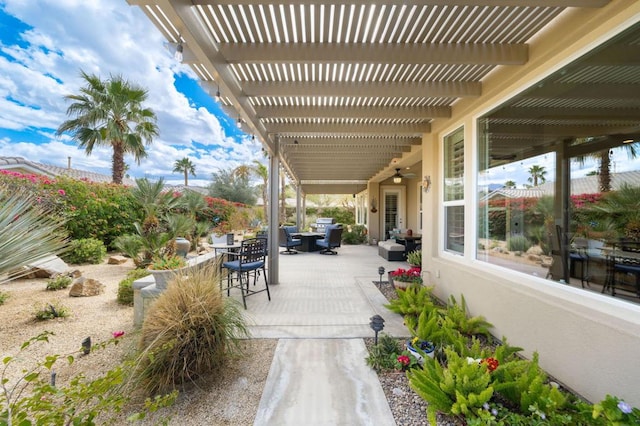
[{"x": 320, "y": 311}]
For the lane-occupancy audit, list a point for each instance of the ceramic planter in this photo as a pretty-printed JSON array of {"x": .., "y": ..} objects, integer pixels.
[{"x": 428, "y": 348}]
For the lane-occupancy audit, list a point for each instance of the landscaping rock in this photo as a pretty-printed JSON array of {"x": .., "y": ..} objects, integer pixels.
[
  {"x": 535, "y": 250},
  {"x": 117, "y": 260},
  {"x": 46, "y": 268},
  {"x": 86, "y": 287}
]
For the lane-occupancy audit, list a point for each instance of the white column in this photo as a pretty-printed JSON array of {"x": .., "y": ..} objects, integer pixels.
[{"x": 274, "y": 190}]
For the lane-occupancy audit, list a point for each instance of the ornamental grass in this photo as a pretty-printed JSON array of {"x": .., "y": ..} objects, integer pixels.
[{"x": 191, "y": 330}]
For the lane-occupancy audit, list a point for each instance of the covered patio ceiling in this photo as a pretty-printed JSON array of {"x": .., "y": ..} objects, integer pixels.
[{"x": 346, "y": 89}]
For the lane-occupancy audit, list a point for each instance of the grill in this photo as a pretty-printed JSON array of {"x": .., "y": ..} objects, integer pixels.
[{"x": 321, "y": 224}]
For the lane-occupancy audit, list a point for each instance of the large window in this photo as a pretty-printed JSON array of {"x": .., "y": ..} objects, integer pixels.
[
  {"x": 454, "y": 191},
  {"x": 559, "y": 171}
]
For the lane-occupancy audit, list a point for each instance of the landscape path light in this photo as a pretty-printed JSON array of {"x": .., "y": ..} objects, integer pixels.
[{"x": 377, "y": 325}]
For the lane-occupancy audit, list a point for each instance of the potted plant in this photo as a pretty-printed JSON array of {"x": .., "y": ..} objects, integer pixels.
[
  {"x": 164, "y": 268},
  {"x": 420, "y": 349},
  {"x": 402, "y": 278},
  {"x": 414, "y": 258}
]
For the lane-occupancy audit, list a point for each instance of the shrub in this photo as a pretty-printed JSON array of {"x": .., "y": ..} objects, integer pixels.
[
  {"x": 32, "y": 399},
  {"x": 47, "y": 311},
  {"x": 415, "y": 258},
  {"x": 58, "y": 282},
  {"x": 190, "y": 330},
  {"x": 125, "y": 287},
  {"x": 383, "y": 355},
  {"x": 86, "y": 250},
  {"x": 357, "y": 235},
  {"x": 518, "y": 243},
  {"x": 3, "y": 297}
]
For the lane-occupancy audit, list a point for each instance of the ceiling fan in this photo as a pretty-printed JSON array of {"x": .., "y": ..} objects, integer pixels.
[{"x": 397, "y": 178}]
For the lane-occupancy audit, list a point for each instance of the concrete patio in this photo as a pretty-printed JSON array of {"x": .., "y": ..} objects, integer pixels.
[{"x": 320, "y": 311}]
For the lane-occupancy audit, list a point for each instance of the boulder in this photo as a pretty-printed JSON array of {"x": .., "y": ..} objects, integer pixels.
[
  {"x": 86, "y": 287},
  {"x": 535, "y": 250},
  {"x": 47, "y": 267},
  {"x": 117, "y": 260}
]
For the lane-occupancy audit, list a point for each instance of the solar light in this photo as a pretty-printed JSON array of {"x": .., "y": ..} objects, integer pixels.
[
  {"x": 376, "y": 324},
  {"x": 381, "y": 273}
]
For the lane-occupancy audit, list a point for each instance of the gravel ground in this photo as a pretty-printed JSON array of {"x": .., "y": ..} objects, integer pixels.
[{"x": 229, "y": 399}]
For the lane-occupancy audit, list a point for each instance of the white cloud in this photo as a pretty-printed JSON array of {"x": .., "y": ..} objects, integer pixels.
[{"x": 104, "y": 37}]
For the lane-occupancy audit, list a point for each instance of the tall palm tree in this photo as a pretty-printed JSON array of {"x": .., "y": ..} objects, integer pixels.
[
  {"x": 110, "y": 113},
  {"x": 604, "y": 159},
  {"x": 537, "y": 175},
  {"x": 509, "y": 184},
  {"x": 185, "y": 166}
]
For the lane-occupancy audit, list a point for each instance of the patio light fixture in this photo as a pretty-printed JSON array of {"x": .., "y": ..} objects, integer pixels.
[
  {"x": 239, "y": 123},
  {"x": 397, "y": 178},
  {"x": 178, "y": 56},
  {"x": 381, "y": 273}
]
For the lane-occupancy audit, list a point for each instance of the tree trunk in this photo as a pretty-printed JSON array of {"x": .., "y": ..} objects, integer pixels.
[
  {"x": 118, "y": 162},
  {"x": 604, "y": 178},
  {"x": 186, "y": 177}
]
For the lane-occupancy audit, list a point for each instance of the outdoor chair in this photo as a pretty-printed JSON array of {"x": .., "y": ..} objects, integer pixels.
[
  {"x": 288, "y": 242},
  {"x": 332, "y": 239},
  {"x": 248, "y": 264}
]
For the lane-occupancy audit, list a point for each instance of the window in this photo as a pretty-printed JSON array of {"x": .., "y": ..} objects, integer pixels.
[{"x": 454, "y": 191}]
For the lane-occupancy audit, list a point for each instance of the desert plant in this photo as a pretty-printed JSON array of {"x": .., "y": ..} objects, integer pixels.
[
  {"x": 165, "y": 263},
  {"x": 58, "y": 282},
  {"x": 457, "y": 317},
  {"x": 189, "y": 331},
  {"x": 27, "y": 231},
  {"x": 3, "y": 297},
  {"x": 125, "y": 287},
  {"x": 518, "y": 243},
  {"x": 460, "y": 388},
  {"x": 47, "y": 311},
  {"x": 415, "y": 258},
  {"x": 412, "y": 301},
  {"x": 383, "y": 355},
  {"x": 85, "y": 250}
]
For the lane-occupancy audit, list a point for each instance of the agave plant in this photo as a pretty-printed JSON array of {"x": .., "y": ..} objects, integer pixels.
[{"x": 27, "y": 233}]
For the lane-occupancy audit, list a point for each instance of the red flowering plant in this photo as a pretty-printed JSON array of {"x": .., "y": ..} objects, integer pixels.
[
  {"x": 412, "y": 275},
  {"x": 405, "y": 361}
]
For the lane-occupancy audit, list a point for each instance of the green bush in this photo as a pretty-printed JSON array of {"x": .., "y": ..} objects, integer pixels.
[
  {"x": 518, "y": 243},
  {"x": 357, "y": 235},
  {"x": 3, "y": 297},
  {"x": 33, "y": 400},
  {"x": 47, "y": 311},
  {"x": 86, "y": 250},
  {"x": 383, "y": 355},
  {"x": 189, "y": 331},
  {"x": 58, "y": 282},
  {"x": 125, "y": 287}
]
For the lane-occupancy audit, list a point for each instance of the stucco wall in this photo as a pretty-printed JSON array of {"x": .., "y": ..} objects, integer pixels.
[{"x": 589, "y": 342}]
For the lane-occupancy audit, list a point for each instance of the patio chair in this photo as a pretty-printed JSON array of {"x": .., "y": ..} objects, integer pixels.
[
  {"x": 248, "y": 263},
  {"x": 288, "y": 242},
  {"x": 332, "y": 239}
]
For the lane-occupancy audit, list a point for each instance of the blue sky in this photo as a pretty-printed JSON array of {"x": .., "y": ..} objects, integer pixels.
[{"x": 43, "y": 46}]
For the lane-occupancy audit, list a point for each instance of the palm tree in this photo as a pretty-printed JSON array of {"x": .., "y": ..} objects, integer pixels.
[
  {"x": 604, "y": 159},
  {"x": 537, "y": 175},
  {"x": 110, "y": 113},
  {"x": 185, "y": 166},
  {"x": 28, "y": 233},
  {"x": 509, "y": 184},
  {"x": 262, "y": 172}
]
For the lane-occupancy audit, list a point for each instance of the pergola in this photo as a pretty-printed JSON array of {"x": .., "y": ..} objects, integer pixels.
[
  {"x": 340, "y": 89},
  {"x": 341, "y": 92}
]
